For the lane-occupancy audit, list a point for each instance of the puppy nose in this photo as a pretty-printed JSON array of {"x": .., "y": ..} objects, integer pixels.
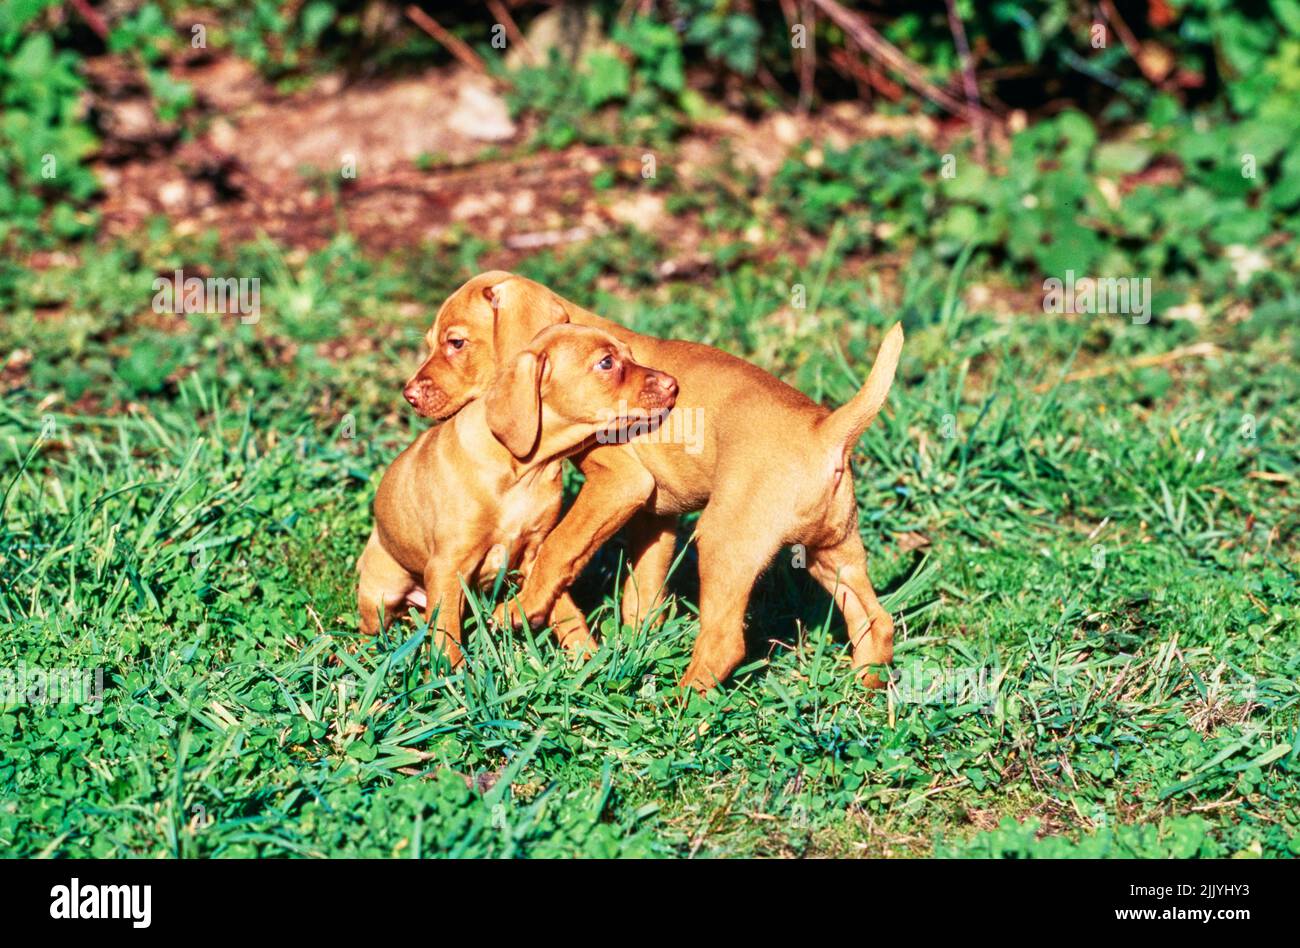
[
  {"x": 411, "y": 395},
  {"x": 666, "y": 384}
]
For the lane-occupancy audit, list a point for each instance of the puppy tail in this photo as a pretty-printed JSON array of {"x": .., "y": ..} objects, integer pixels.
[{"x": 845, "y": 425}]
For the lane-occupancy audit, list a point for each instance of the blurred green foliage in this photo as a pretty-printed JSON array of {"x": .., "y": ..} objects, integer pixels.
[
  {"x": 44, "y": 137},
  {"x": 1062, "y": 199}
]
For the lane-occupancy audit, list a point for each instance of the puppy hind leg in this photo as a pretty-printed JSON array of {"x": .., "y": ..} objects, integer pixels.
[
  {"x": 382, "y": 588},
  {"x": 842, "y": 572},
  {"x": 731, "y": 560}
]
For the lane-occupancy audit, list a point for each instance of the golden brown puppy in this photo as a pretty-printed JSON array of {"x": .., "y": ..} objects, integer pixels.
[
  {"x": 768, "y": 466},
  {"x": 484, "y": 489}
]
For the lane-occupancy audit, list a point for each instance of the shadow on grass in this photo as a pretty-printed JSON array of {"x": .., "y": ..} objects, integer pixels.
[{"x": 785, "y": 599}]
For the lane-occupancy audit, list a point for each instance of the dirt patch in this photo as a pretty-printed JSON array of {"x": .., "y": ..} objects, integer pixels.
[
  {"x": 290, "y": 166},
  {"x": 15, "y": 371},
  {"x": 404, "y": 162}
]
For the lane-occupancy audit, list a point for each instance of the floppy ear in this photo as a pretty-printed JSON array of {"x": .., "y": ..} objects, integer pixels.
[
  {"x": 523, "y": 309},
  {"x": 514, "y": 404}
]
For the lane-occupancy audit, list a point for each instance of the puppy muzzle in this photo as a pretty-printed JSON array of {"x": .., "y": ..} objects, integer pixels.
[
  {"x": 659, "y": 392},
  {"x": 426, "y": 398}
]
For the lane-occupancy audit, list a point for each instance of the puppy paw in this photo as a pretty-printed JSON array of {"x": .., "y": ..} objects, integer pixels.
[
  {"x": 506, "y": 615},
  {"x": 580, "y": 645},
  {"x": 872, "y": 676},
  {"x": 873, "y": 651}
]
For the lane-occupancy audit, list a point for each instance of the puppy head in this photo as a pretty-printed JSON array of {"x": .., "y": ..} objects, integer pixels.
[
  {"x": 480, "y": 327},
  {"x": 570, "y": 384}
]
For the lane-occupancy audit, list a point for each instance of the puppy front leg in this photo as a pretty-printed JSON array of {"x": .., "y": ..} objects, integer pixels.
[
  {"x": 447, "y": 598},
  {"x": 571, "y": 628},
  {"x": 566, "y": 619},
  {"x": 652, "y": 543},
  {"x": 604, "y": 504}
]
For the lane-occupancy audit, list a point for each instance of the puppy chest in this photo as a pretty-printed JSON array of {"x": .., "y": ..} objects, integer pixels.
[{"x": 526, "y": 514}]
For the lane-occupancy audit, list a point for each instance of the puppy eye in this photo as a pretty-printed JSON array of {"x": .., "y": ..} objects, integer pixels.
[
  {"x": 606, "y": 363},
  {"x": 456, "y": 344}
]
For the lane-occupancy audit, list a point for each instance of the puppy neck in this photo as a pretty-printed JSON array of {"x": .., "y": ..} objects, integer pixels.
[{"x": 478, "y": 441}]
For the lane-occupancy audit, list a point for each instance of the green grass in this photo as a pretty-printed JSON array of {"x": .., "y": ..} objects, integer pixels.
[{"x": 1109, "y": 589}]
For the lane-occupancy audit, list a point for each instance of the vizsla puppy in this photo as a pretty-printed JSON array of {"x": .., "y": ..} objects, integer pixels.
[
  {"x": 482, "y": 491},
  {"x": 771, "y": 468}
]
